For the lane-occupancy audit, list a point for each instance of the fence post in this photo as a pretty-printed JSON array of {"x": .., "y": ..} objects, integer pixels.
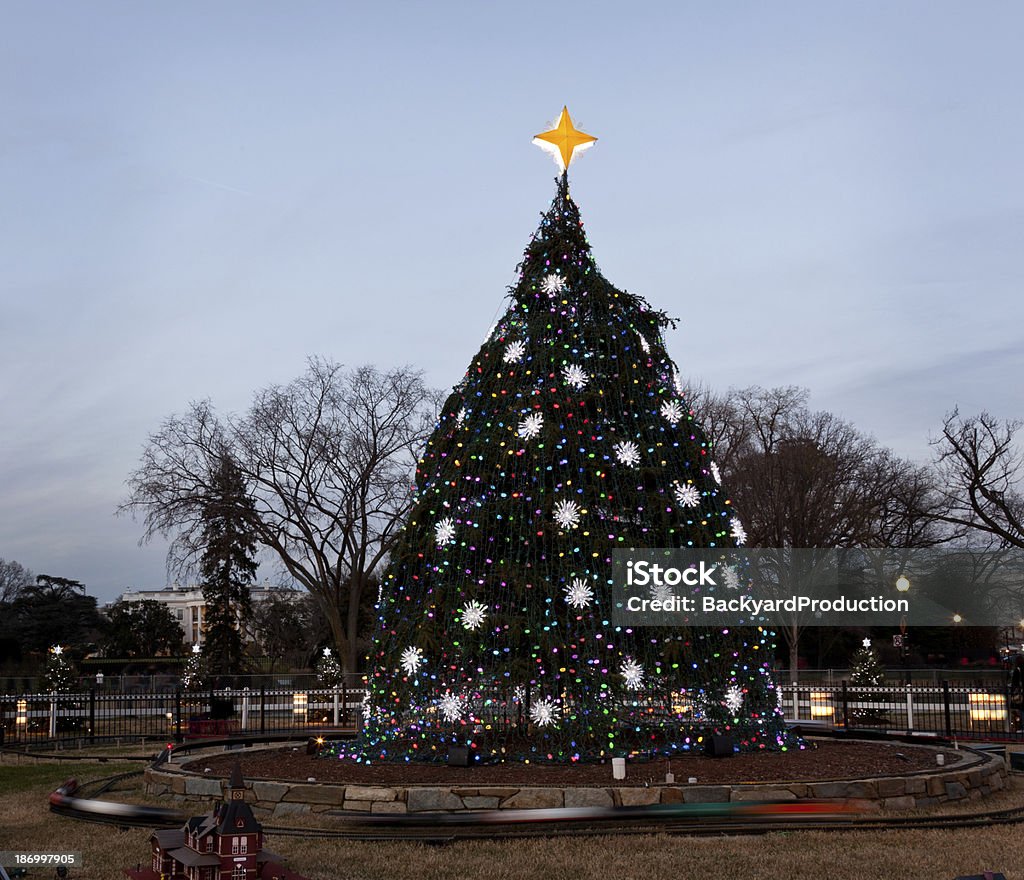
[
  {"x": 92, "y": 715},
  {"x": 344, "y": 696},
  {"x": 910, "y": 710},
  {"x": 263, "y": 708},
  {"x": 337, "y": 697},
  {"x": 177, "y": 715},
  {"x": 245, "y": 709},
  {"x": 945, "y": 706},
  {"x": 53, "y": 715},
  {"x": 846, "y": 714}
]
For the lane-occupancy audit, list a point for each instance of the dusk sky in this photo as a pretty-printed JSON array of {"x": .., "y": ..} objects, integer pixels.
[{"x": 199, "y": 196}]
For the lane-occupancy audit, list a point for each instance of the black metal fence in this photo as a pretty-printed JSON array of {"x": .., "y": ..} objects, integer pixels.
[
  {"x": 948, "y": 709},
  {"x": 101, "y": 716}
]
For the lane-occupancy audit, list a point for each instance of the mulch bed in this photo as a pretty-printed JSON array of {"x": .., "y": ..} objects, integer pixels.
[{"x": 821, "y": 760}]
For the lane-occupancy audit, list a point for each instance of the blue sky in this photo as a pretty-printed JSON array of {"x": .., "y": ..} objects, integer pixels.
[{"x": 196, "y": 197}]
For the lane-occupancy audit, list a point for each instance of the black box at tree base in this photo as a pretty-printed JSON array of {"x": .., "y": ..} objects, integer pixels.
[{"x": 567, "y": 437}]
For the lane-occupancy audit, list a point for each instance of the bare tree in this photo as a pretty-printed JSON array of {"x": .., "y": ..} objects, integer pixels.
[
  {"x": 14, "y": 577},
  {"x": 328, "y": 463},
  {"x": 808, "y": 480},
  {"x": 981, "y": 470}
]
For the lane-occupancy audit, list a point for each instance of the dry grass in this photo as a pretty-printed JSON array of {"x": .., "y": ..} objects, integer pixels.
[{"x": 26, "y": 824}]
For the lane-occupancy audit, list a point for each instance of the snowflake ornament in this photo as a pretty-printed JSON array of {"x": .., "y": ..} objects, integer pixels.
[
  {"x": 567, "y": 514},
  {"x": 514, "y": 352},
  {"x": 677, "y": 383},
  {"x": 644, "y": 344},
  {"x": 452, "y": 707},
  {"x": 473, "y": 614},
  {"x": 716, "y": 473},
  {"x": 734, "y": 699},
  {"x": 579, "y": 594},
  {"x": 518, "y": 693},
  {"x": 531, "y": 425},
  {"x": 575, "y": 376},
  {"x": 672, "y": 412},
  {"x": 552, "y": 285},
  {"x": 661, "y": 593},
  {"x": 687, "y": 495},
  {"x": 542, "y": 713},
  {"x": 367, "y": 706},
  {"x": 737, "y": 531},
  {"x": 627, "y": 452},
  {"x": 732, "y": 579},
  {"x": 444, "y": 531},
  {"x": 632, "y": 673},
  {"x": 460, "y": 418},
  {"x": 327, "y": 652},
  {"x": 412, "y": 657}
]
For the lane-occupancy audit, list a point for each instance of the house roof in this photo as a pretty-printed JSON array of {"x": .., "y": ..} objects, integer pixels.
[
  {"x": 236, "y": 817},
  {"x": 169, "y": 838},
  {"x": 190, "y": 858}
]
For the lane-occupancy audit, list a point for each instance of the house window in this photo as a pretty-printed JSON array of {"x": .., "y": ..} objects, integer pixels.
[
  {"x": 209, "y": 843},
  {"x": 156, "y": 862},
  {"x": 245, "y": 845},
  {"x": 234, "y": 846},
  {"x": 238, "y": 873}
]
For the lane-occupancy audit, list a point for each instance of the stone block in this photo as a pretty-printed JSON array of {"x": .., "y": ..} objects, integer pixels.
[
  {"x": 639, "y": 797},
  {"x": 369, "y": 793},
  {"x": 358, "y": 806},
  {"x": 707, "y": 794},
  {"x": 198, "y": 786},
  {"x": 270, "y": 792},
  {"x": 534, "y": 799},
  {"x": 178, "y": 784},
  {"x": 890, "y": 788},
  {"x": 955, "y": 791},
  {"x": 828, "y": 789},
  {"x": 905, "y": 802},
  {"x": 762, "y": 794},
  {"x": 387, "y": 807},
  {"x": 424, "y": 799},
  {"x": 465, "y": 792},
  {"x": 283, "y": 809},
  {"x": 936, "y": 786},
  {"x": 588, "y": 797},
  {"x": 496, "y": 791},
  {"x": 474, "y": 802},
  {"x": 316, "y": 794},
  {"x": 861, "y": 790},
  {"x": 917, "y": 785},
  {"x": 672, "y": 795}
]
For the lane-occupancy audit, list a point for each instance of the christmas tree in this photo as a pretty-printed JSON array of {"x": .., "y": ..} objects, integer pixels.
[
  {"x": 196, "y": 671},
  {"x": 328, "y": 669},
  {"x": 865, "y": 668},
  {"x": 567, "y": 437},
  {"x": 59, "y": 675}
]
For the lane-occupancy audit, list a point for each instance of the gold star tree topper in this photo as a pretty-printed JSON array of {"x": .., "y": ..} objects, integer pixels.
[{"x": 564, "y": 141}]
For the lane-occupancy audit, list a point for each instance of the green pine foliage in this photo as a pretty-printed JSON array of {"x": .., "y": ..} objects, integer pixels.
[
  {"x": 328, "y": 670},
  {"x": 568, "y": 437},
  {"x": 196, "y": 672},
  {"x": 59, "y": 675},
  {"x": 865, "y": 668},
  {"x": 227, "y": 567}
]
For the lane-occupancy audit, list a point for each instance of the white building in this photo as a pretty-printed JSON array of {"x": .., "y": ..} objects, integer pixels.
[{"x": 187, "y": 605}]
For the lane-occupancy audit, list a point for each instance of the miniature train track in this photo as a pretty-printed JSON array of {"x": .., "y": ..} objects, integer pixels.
[{"x": 704, "y": 820}]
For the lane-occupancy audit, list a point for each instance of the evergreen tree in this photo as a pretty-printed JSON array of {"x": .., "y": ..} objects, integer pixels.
[
  {"x": 865, "y": 668},
  {"x": 227, "y": 567},
  {"x": 196, "y": 671},
  {"x": 59, "y": 676},
  {"x": 567, "y": 438},
  {"x": 328, "y": 669}
]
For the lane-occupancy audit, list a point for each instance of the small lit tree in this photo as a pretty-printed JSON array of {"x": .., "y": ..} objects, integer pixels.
[
  {"x": 59, "y": 676},
  {"x": 866, "y": 670},
  {"x": 196, "y": 672},
  {"x": 328, "y": 669}
]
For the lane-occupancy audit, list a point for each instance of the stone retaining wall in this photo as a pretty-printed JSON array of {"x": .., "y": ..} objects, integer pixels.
[{"x": 976, "y": 776}]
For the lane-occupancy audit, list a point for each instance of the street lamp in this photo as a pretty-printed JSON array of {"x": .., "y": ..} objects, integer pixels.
[{"x": 903, "y": 586}]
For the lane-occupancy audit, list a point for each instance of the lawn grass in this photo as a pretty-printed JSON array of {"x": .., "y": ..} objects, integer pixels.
[{"x": 27, "y": 824}]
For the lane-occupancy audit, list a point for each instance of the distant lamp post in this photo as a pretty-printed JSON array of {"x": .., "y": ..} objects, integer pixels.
[
  {"x": 957, "y": 644},
  {"x": 903, "y": 586},
  {"x": 99, "y": 679}
]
